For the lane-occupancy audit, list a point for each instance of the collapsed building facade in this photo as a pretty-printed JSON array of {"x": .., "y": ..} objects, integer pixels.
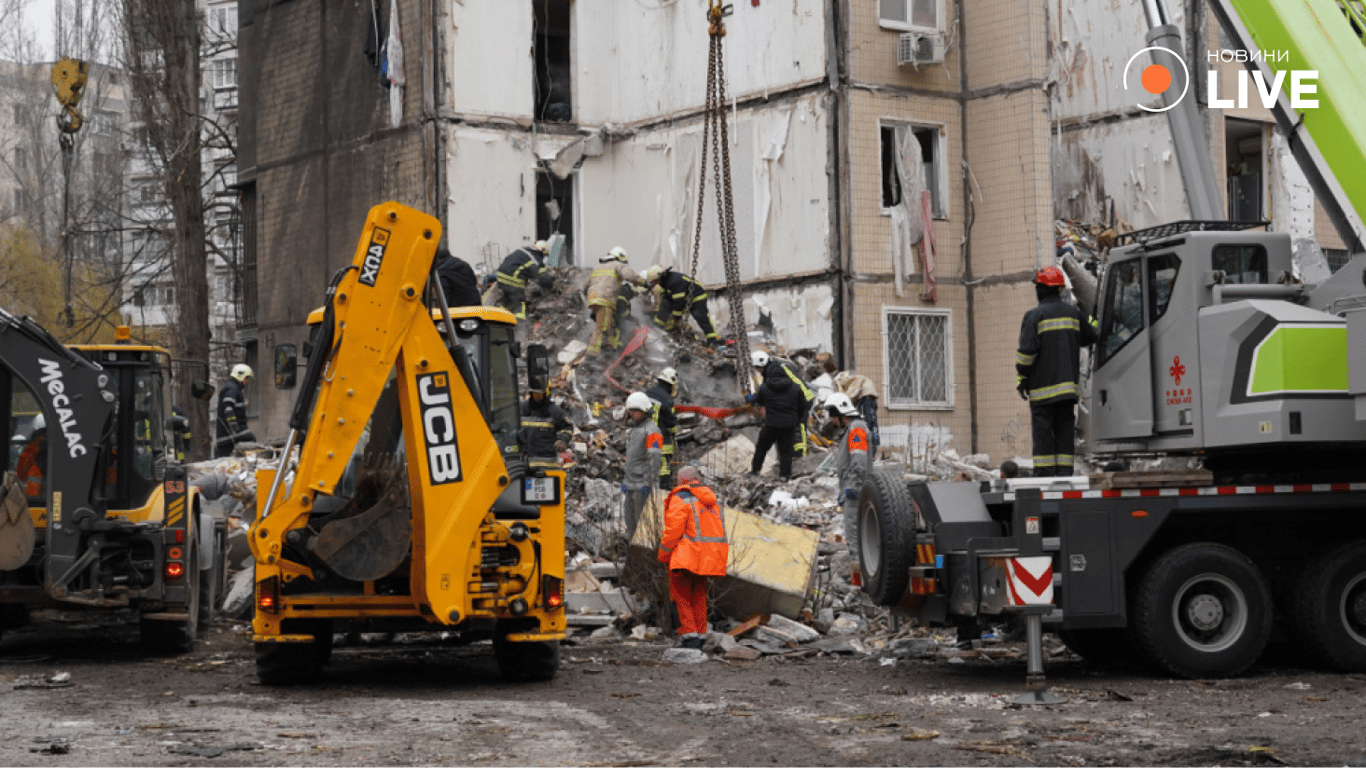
[{"x": 855, "y": 125}]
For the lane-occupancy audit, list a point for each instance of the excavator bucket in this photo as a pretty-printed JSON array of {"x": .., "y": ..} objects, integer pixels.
[
  {"x": 17, "y": 536},
  {"x": 369, "y": 537}
]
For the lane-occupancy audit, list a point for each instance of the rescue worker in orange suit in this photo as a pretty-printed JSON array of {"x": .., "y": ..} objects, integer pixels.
[
  {"x": 852, "y": 462},
  {"x": 33, "y": 461},
  {"x": 1048, "y": 364},
  {"x": 693, "y": 547}
]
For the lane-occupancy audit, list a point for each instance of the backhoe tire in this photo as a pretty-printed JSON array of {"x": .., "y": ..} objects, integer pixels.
[
  {"x": 295, "y": 663},
  {"x": 1202, "y": 610},
  {"x": 177, "y": 637},
  {"x": 525, "y": 662},
  {"x": 1330, "y": 607},
  {"x": 886, "y": 527}
]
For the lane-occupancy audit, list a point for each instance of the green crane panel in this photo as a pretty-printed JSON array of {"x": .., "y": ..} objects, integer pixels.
[{"x": 1301, "y": 359}]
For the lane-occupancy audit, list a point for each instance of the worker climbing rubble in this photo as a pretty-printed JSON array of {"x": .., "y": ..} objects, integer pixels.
[
  {"x": 604, "y": 286},
  {"x": 644, "y": 452},
  {"x": 785, "y": 408},
  {"x": 662, "y": 394},
  {"x": 517, "y": 270},
  {"x": 766, "y": 366},
  {"x": 677, "y": 293}
]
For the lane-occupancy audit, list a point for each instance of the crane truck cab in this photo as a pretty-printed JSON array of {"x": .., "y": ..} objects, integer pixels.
[
  {"x": 102, "y": 516},
  {"x": 410, "y": 507}
]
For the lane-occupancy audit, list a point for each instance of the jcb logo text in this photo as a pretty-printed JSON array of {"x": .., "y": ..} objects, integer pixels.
[{"x": 438, "y": 428}]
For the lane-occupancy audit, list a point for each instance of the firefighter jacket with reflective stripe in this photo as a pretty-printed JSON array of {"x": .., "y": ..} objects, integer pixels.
[
  {"x": 664, "y": 413},
  {"x": 543, "y": 424},
  {"x": 644, "y": 451},
  {"x": 852, "y": 460},
  {"x": 1047, "y": 361},
  {"x": 694, "y": 532},
  {"x": 783, "y": 403},
  {"x": 520, "y": 266},
  {"x": 232, "y": 414},
  {"x": 675, "y": 287},
  {"x": 605, "y": 283}
]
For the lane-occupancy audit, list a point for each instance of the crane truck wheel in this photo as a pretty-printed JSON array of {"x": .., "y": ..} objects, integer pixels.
[
  {"x": 1202, "y": 610},
  {"x": 1330, "y": 607},
  {"x": 172, "y": 636},
  {"x": 886, "y": 529},
  {"x": 524, "y": 662}
]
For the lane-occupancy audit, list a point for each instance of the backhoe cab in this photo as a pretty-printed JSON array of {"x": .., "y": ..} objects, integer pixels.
[
  {"x": 95, "y": 511},
  {"x": 410, "y": 508}
]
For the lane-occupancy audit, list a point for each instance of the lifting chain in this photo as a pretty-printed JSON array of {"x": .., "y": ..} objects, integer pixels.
[{"x": 715, "y": 140}]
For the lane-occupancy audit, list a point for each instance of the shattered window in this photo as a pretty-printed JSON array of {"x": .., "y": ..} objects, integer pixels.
[
  {"x": 1243, "y": 264},
  {"x": 1161, "y": 279},
  {"x": 1123, "y": 315},
  {"x": 917, "y": 352}
]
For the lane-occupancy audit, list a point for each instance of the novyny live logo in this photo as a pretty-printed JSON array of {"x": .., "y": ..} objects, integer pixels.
[{"x": 1156, "y": 78}]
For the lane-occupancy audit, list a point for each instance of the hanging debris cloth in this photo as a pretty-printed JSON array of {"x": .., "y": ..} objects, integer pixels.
[{"x": 716, "y": 142}]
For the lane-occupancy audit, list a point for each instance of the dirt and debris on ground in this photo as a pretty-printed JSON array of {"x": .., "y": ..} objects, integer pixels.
[{"x": 422, "y": 700}]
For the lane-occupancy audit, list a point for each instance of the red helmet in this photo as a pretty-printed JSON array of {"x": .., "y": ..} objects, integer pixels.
[{"x": 1050, "y": 276}]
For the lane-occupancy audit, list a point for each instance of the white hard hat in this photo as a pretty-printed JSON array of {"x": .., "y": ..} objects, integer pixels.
[
  {"x": 241, "y": 372},
  {"x": 759, "y": 358},
  {"x": 653, "y": 274},
  {"x": 840, "y": 404},
  {"x": 668, "y": 376},
  {"x": 39, "y": 422},
  {"x": 616, "y": 254},
  {"x": 543, "y": 247},
  {"x": 639, "y": 401}
]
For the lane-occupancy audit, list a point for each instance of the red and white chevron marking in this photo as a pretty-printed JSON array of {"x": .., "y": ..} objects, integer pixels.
[{"x": 1030, "y": 580}]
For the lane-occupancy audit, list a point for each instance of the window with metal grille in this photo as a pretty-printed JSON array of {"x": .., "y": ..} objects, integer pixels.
[{"x": 918, "y": 359}]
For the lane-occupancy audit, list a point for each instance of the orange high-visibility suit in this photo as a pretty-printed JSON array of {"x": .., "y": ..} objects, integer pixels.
[
  {"x": 694, "y": 547},
  {"x": 31, "y": 465}
]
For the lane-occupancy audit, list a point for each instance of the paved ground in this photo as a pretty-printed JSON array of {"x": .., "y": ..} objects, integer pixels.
[{"x": 620, "y": 704}]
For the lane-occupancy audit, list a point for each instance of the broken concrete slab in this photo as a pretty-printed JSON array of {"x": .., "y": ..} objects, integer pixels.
[
  {"x": 742, "y": 653},
  {"x": 611, "y": 601},
  {"x": 770, "y": 566},
  {"x": 684, "y": 656},
  {"x": 794, "y": 629},
  {"x": 590, "y": 620},
  {"x": 733, "y": 458}
]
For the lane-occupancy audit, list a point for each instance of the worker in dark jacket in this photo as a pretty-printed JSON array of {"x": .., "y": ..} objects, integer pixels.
[
  {"x": 662, "y": 394},
  {"x": 520, "y": 267},
  {"x": 679, "y": 293},
  {"x": 231, "y": 427},
  {"x": 457, "y": 280},
  {"x": 546, "y": 431},
  {"x": 1048, "y": 367},
  {"x": 180, "y": 430},
  {"x": 771, "y": 366},
  {"x": 784, "y": 407}
]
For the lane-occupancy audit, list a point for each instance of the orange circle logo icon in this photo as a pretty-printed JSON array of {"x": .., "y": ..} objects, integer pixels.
[{"x": 1156, "y": 78}]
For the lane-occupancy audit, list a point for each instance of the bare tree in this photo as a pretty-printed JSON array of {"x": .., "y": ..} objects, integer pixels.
[{"x": 161, "y": 43}]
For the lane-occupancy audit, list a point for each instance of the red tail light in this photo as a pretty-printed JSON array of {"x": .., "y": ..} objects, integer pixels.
[
  {"x": 174, "y": 570},
  {"x": 552, "y": 589},
  {"x": 180, "y": 536},
  {"x": 268, "y": 594}
]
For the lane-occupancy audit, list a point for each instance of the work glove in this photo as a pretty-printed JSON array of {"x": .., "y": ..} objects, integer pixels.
[
  {"x": 851, "y": 494},
  {"x": 749, "y": 399},
  {"x": 1023, "y": 389}
]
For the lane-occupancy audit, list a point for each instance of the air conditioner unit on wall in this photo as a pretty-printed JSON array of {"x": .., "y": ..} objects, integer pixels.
[{"x": 916, "y": 48}]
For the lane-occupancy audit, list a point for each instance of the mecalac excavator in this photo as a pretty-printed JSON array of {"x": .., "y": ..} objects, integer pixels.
[
  {"x": 410, "y": 507},
  {"x": 95, "y": 512}
]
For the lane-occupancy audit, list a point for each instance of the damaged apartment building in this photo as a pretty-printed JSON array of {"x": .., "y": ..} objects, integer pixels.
[{"x": 854, "y": 126}]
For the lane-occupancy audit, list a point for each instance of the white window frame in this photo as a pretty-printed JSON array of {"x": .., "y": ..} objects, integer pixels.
[
  {"x": 940, "y": 183},
  {"x": 908, "y": 25},
  {"x": 911, "y": 404}
]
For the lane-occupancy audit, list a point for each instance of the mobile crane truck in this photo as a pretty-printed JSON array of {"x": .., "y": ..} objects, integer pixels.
[
  {"x": 410, "y": 507},
  {"x": 110, "y": 522},
  {"x": 1207, "y": 348}
]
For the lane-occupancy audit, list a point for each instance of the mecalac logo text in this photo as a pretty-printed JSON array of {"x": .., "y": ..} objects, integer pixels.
[
  {"x": 438, "y": 428},
  {"x": 56, "y": 391},
  {"x": 374, "y": 256}
]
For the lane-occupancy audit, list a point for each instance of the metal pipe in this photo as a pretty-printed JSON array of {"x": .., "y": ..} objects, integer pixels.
[{"x": 279, "y": 473}]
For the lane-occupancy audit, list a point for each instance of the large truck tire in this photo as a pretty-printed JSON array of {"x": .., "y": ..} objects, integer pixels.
[
  {"x": 1202, "y": 610},
  {"x": 177, "y": 636},
  {"x": 1330, "y": 607},
  {"x": 295, "y": 663},
  {"x": 886, "y": 529},
  {"x": 525, "y": 662}
]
